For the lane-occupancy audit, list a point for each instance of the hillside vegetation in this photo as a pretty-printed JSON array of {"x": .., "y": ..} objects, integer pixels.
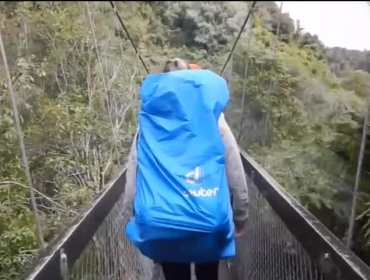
[{"x": 296, "y": 106}]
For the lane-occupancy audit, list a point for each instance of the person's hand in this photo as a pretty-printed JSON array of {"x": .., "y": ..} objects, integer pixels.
[{"x": 239, "y": 230}]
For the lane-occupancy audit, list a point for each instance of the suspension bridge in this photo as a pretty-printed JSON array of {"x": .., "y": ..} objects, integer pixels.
[{"x": 282, "y": 240}]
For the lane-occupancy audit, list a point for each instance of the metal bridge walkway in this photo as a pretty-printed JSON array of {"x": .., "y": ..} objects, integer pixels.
[{"x": 283, "y": 241}]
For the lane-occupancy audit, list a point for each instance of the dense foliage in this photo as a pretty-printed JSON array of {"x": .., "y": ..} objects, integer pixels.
[
  {"x": 302, "y": 121},
  {"x": 77, "y": 81}
]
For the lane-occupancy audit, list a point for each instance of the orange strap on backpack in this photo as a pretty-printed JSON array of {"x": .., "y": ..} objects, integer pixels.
[{"x": 193, "y": 66}]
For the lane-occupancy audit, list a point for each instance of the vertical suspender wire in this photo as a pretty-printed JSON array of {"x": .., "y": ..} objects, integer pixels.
[
  {"x": 249, "y": 40},
  {"x": 132, "y": 44},
  {"x": 358, "y": 171},
  {"x": 13, "y": 98},
  {"x": 106, "y": 94},
  {"x": 100, "y": 63},
  {"x": 358, "y": 174},
  {"x": 272, "y": 83}
]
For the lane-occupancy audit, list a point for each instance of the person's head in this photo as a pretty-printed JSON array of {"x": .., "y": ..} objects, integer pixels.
[{"x": 178, "y": 64}]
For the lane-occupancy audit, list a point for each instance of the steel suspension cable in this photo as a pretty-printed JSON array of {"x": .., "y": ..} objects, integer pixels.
[
  {"x": 128, "y": 36},
  {"x": 237, "y": 38},
  {"x": 18, "y": 128}
]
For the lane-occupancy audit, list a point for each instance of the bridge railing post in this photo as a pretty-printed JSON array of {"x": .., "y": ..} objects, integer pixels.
[{"x": 63, "y": 258}]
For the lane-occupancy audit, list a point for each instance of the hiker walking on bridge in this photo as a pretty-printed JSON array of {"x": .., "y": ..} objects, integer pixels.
[{"x": 184, "y": 166}]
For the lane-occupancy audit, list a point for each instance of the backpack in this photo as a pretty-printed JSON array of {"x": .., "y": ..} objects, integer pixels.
[{"x": 182, "y": 207}]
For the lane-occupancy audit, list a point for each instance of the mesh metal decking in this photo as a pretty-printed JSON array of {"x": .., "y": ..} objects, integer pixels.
[{"x": 282, "y": 242}]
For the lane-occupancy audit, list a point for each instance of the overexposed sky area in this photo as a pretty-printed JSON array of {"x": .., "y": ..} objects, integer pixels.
[{"x": 338, "y": 24}]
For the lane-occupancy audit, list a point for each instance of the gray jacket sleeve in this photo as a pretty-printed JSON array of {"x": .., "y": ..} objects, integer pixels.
[
  {"x": 130, "y": 186},
  {"x": 234, "y": 170},
  {"x": 235, "y": 173}
]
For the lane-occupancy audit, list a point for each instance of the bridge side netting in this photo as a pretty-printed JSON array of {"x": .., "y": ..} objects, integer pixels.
[
  {"x": 109, "y": 255},
  {"x": 268, "y": 251}
]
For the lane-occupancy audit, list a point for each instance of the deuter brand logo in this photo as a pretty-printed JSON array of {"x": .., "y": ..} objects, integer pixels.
[
  {"x": 202, "y": 192},
  {"x": 194, "y": 177}
]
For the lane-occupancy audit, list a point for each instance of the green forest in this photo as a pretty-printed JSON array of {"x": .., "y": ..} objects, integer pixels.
[{"x": 296, "y": 106}]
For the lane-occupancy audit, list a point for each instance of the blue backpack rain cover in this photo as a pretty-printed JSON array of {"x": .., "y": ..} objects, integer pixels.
[{"x": 182, "y": 203}]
